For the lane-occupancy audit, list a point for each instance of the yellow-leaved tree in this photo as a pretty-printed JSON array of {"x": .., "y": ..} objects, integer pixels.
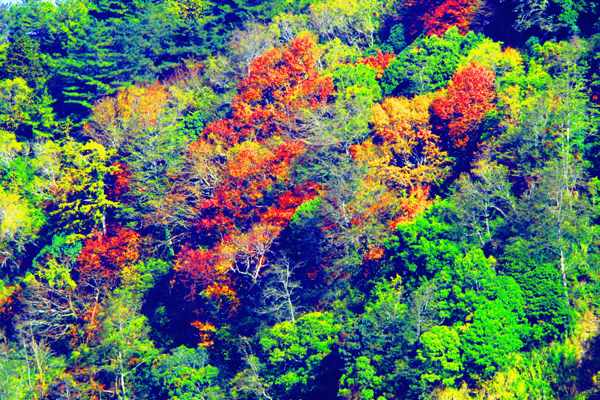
[
  {"x": 403, "y": 159},
  {"x": 403, "y": 154}
]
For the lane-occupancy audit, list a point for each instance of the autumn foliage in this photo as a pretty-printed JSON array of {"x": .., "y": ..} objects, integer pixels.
[
  {"x": 119, "y": 181},
  {"x": 435, "y": 17},
  {"x": 281, "y": 82},
  {"x": 206, "y": 331},
  {"x": 404, "y": 158},
  {"x": 245, "y": 162},
  {"x": 416, "y": 14},
  {"x": 257, "y": 144},
  {"x": 107, "y": 260},
  {"x": 451, "y": 13},
  {"x": 247, "y": 199},
  {"x": 199, "y": 267},
  {"x": 464, "y": 106},
  {"x": 134, "y": 108},
  {"x": 8, "y": 303},
  {"x": 404, "y": 153},
  {"x": 379, "y": 62},
  {"x": 412, "y": 205}
]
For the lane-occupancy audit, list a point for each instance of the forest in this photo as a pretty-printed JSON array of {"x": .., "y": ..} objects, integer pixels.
[{"x": 299, "y": 199}]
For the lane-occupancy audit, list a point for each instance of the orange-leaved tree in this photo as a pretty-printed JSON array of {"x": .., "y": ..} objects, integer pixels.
[
  {"x": 281, "y": 83},
  {"x": 257, "y": 145},
  {"x": 378, "y": 62},
  {"x": 415, "y": 15},
  {"x": 141, "y": 124},
  {"x": 117, "y": 120}
]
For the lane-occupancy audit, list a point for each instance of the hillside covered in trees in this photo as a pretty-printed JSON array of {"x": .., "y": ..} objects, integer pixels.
[{"x": 311, "y": 199}]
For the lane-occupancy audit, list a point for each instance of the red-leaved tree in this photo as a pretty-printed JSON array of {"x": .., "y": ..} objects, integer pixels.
[
  {"x": 469, "y": 97},
  {"x": 243, "y": 167},
  {"x": 281, "y": 82},
  {"x": 105, "y": 259},
  {"x": 379, "y": 62},
  {"x": 451, "y": 13}
]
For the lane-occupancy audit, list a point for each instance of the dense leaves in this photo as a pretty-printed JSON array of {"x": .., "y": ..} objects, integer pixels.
[{"x": 315, "y": 199}]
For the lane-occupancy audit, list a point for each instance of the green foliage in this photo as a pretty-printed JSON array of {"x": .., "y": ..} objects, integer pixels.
[
  {"x": 545, "y": 304},
  {"x": 205, "y": 102},
  {"x": 465, "y": 285},
  {"x": 498, "y": 328},
  {"x": 375, "y": 344},
  {"x": 426, "y": 245},
  {"x": 356, "y": 80},
  {"x": 148, "y": 273},
  {"x": 441, "y": 356},
  {"x": 82, "y": 202},
  {"x": 549, "y": 100},
  {"x": 361, "y": 374},
  {"x": 187, "y": 375},
  {"x": 556, "y": 17},
  {"x": 427, "y": 64},
  {"x": 3, "y": 48},
  {"x": 351, "y": 22},
  {"x": 22, "y": 60},
  {"x": 272, "y": 9},
  {"x": 489, "y": 290},
  {"x": 527, "y": 375},
  {"x": 55, "y": 262},
  {"x": 61, "y": 247},
  {"x": 494, "y": 333},
  {"x": 506, "y": 64},
  {"x": 21, "y": 219},
  {"x": 20, "y": 222},
  {"x": 395, "y": 42},
  {"x": 91, "y": 50},
  {"x": 335, "y": 52},
  {"x": 296, "y": 349},
  {"x": 13, "y": 369},
  {"x": 387, "y": 303},
  {"x": 22, "y": 112},
  {"x": 124, "y": 346},
  {"x": 305, "y": 212}
]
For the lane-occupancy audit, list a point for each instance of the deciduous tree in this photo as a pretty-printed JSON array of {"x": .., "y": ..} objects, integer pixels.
[
  {"x": 109, "y": 260},
  {"x": 125, "y": 346},
  {"x": 281, "y": 82},
  {"x": 469, "y": 98},
  {"x": 404, "y": 153},
  {"x": 458, "y": 13},
  {"x": 80, "y": 202}
]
